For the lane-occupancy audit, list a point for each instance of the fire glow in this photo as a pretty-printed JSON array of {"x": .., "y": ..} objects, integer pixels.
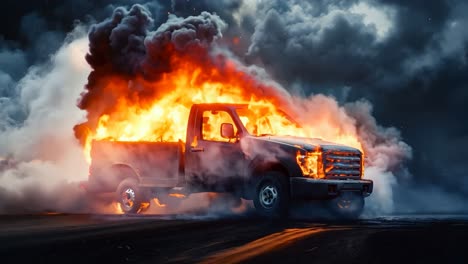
[
  {"x": 145, "y": 93},
  {"x": 164, "y": 117},
  {"x": 142, "y": 90}
]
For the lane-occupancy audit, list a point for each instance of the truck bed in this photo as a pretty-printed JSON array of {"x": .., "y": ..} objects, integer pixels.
[{"x": 157, "y": 164}]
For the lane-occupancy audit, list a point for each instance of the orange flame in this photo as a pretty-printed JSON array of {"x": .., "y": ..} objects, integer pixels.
[
  {"x": 163, "y": 114},
  {"x": 158, "y": 203},
  {"x": 117, "y": 208},
  {"x": 311, "y": 164},
  {"x": 177, "y": 195}
]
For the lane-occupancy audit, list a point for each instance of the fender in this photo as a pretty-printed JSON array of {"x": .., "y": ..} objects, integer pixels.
[
  {"x": 109, "y": 178},
  {"x": 259, "y": 165},
  {"x": 127, "y": 170},
  {"x": 285, "y": 165}
]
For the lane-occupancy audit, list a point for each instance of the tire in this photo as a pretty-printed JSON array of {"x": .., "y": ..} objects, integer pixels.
[
  {"x": 130, "y": 196},
  {"x": 271, "y": 198},
  {"x": 348, "y": 205}
]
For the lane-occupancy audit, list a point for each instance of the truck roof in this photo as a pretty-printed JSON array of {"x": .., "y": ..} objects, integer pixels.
[{"x": 221, "y": 105}]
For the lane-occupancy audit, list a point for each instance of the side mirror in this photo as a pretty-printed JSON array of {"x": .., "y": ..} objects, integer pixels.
[{"x": 227, "y": 131}]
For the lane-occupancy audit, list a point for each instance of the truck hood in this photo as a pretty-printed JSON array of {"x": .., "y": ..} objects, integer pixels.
[{"x": 309, "y": 144}]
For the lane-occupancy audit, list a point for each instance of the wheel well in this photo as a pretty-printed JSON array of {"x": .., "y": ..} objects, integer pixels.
[
  {"x": 120, "y": 172},
  {"x": 264, "y": 167},
  {"x": 257, "y": 171}
]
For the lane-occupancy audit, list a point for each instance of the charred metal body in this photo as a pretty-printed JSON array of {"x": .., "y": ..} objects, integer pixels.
[{"x": 271, "y": 170}]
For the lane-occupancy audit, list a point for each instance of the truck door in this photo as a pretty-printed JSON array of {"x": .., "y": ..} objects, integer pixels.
[{"x": 214, "y": 162}]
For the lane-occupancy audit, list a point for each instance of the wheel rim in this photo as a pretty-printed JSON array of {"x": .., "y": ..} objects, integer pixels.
[
  {"x": 268, "y": 195},
  {"x": 128, "y": 198}
]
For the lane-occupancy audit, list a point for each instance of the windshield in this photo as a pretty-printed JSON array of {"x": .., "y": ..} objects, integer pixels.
[{"x": 263, "y": 121}]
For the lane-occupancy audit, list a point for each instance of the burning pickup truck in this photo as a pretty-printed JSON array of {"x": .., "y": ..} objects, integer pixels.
[{"x": 226, "y": 151}]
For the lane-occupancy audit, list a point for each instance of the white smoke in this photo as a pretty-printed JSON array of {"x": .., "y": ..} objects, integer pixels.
[
  {"x": 386, "y": 154},
  {"x": 381, "y": 200},
  {"x": 44, "y": 158}
]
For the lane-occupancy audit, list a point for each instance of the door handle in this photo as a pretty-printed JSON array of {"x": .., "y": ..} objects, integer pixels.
[{"x": 197, "y": 149}]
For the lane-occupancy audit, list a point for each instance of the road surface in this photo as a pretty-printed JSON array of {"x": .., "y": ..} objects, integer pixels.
[{"x": 88, "y": 238}]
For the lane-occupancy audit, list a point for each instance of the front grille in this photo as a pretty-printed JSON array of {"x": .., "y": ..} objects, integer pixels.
[{"x": 339, "y": 164}]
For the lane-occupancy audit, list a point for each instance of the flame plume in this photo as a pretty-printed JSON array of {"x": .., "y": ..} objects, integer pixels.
[{"x": 143, "y": 84}]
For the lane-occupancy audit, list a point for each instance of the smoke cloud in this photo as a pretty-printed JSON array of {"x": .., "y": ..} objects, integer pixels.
[
  {"x": 124, "y": 45},
  {"x": 408, "y": 59},
  {"x": 43, "y": 158}
]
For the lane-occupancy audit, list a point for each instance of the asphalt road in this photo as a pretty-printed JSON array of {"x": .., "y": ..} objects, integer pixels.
[{"x": 87, "y": 238}]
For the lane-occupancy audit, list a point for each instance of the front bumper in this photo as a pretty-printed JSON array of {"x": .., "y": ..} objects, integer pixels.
[{"x": 309, "y": 189}]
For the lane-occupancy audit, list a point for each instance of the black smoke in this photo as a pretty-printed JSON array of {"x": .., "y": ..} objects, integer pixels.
[{"x": 127, "y": 46}]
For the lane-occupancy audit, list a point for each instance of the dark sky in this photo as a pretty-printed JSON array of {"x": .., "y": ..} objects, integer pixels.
[{"x": 408, "y": 58}]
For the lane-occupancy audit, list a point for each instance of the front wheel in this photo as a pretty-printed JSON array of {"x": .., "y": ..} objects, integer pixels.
[
  {"x": 271, "y": 197},
  {"x": 130, "y": 196},
  {"x": 348, "y": 205}
]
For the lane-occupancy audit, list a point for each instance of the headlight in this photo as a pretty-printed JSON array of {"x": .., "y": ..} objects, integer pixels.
[{"x": 310, "y": 164}]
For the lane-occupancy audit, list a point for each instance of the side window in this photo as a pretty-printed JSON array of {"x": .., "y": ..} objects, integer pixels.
[{"x": 211, "y": 127}]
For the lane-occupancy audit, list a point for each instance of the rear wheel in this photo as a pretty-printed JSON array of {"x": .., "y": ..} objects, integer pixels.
[
  {"x": 271, "y": 197},
  {"x": 130, "y": 196},
  {"x": 349, "y": 205}
]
